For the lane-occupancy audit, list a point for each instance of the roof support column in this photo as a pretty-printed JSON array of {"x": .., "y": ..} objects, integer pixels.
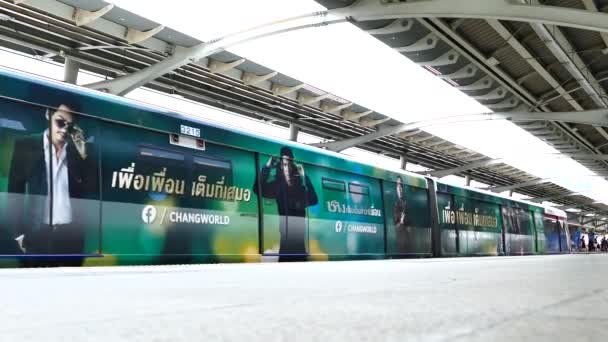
[
  {"x": 403, "y": 161},
  {"x": 70, "y": 70},
  {"x": 293, "y": 132},
  {"x": 467, "y": 180}
]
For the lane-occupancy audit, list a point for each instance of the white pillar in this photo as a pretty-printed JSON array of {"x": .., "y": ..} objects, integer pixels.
[
  {"x": 403, "y": 161},
  {"x": 293, "y": 132},
  {"x": 70, "y": 70}
]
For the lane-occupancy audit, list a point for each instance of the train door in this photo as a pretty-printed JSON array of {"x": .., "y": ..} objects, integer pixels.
[
  {"x": 408, "y": 218},
  {"x": 552, "y": 234},
  {"x": 504, "y": 214},
  {"x": 447, "y": 225},
  {"x": 288, "y": 193},
  {"x": 540, "y": 233}
]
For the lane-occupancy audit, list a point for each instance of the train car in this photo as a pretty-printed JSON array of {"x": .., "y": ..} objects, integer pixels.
[{"x": 88, "y": 178}]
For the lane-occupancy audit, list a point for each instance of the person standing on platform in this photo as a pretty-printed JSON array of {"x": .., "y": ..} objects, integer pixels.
[
  {"x": 58, "y": 162},
  {"x": 582, "y": 241}
]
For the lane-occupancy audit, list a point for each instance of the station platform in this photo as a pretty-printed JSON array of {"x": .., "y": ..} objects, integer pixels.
[{"x": 535, "y": 298}]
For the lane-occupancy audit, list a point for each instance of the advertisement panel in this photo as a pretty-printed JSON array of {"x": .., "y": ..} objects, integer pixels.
[
  {"x": 408, "y": 218},
  {"x": 169, "y": 204},
  {"x": 318, "y": 213},
  {"x": 49, "y": 184},
  {"x": 479, "y": 223},
  {"x": 447, "y": 224}
]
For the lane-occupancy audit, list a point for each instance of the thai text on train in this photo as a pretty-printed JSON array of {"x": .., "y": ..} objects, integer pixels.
[
  {"x": 468, "y": 218},
  {"x": 128, "y": 179},
  {"x": 341, "y": 208}
]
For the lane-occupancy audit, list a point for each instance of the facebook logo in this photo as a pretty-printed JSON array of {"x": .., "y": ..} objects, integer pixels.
[{"x": 148, "y": 214}]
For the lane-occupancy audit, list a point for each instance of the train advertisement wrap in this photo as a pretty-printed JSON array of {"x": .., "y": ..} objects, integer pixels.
[
  {"x": 168, "y": 204},
  {"x": 49, "y": 183},
  {"x": 318, "y": 213},
  {"x": 90, "y": 179},
  {"x": 408, "y": 219}
]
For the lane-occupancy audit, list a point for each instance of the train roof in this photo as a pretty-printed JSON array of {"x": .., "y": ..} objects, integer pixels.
[{"x": 548, "y": 209}]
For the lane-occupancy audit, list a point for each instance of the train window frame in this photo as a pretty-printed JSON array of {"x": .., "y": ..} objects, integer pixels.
[
  {"x": 228, "y": 163},
  {"x": 365, "y": 192},
  {"x": 328, "y": 182},
  {"x": 165, "y": 153}
]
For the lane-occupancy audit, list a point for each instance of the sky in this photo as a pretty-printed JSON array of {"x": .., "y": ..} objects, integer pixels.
[{"x": 351, "y": 64}]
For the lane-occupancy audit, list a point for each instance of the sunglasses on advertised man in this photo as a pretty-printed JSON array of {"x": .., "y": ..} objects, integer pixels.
[{"x": 62, "y": 123}]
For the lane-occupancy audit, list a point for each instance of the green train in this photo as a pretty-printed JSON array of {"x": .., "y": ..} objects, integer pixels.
[{"x": 88, "y": 178}]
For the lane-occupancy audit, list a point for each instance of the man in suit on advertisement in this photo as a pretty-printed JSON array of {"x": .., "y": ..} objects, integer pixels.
[{"x": 50, "y": 177}]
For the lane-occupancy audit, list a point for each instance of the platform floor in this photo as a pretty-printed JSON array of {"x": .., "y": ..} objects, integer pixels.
[{"x": 535, "y": 298}]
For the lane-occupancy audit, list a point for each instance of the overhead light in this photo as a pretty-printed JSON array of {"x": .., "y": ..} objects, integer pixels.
[
  {"x": 573, "y": 210},
  {"x": 4, "y": 17}
]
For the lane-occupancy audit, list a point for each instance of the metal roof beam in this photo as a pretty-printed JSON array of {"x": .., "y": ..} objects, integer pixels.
[
  {"x": 217, "y": 67},
  {"x": 306, "y": 100},
  {"x": 558, "y": 44},
  {"x": 364, "y": 10},
  {"x": 467, "y": 71},
  {"x": 134, "y": 36},
  {"x": 82, "y": 17},
  {"x": 182, "y": 56},
  {"x": 507, "y": 103},
  {"x": 279, "y": 90},
  {"x": 496, "y": 94},
  {"x": 589, "y": 117},
  {"x": 591, "y": 6},
  {"x": 333, "y": 108},
  {"x": 355, "y": 116},
  {"x": 540, "y": 70},
  {"x": 373, "y": 122},
  {"x": 498, "y": 189},
  {"x": 474, "y": 165},
  {"x": 253, "y": 79},
  {"x": 124, "y": 84},
  {"x": 425, "y": 43},
  {"x": 396, "y": 26},
  {"x": 548, "y": 198}
]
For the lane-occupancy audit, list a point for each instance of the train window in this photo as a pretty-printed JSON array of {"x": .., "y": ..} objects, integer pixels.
[
  {"x": 332, "y": 184},
  {"x": 358, "y": 189},
  {"x": 158, "y": 153},
  {"x": 222, "y": 164}
]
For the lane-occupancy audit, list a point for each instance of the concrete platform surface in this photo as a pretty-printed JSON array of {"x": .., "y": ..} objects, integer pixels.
[{"x": 534, "y": 298}]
